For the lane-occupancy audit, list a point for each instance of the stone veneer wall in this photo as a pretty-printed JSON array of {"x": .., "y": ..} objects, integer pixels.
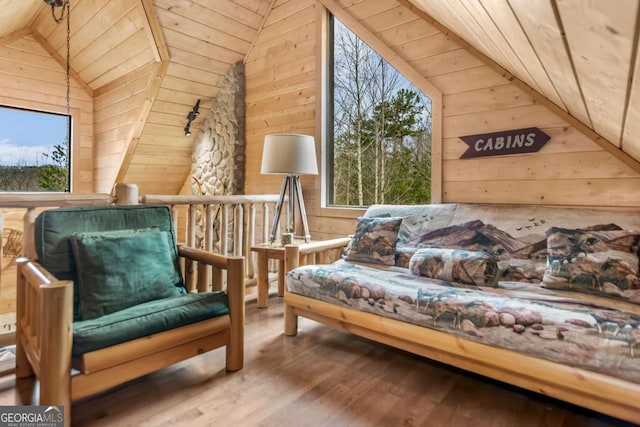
[
  {"x": 218, "y": 153},
  {"x": 219, "y": 150}
]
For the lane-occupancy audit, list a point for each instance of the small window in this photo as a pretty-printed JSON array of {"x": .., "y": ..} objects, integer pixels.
[
  {"x": 379, "y": 135},
  {"x": 34, "y": 150}
]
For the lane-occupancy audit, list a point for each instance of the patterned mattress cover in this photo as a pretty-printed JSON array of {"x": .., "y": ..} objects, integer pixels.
[
  {"x": 566, "y": 324},
  {"x": 578, "y": 330}
]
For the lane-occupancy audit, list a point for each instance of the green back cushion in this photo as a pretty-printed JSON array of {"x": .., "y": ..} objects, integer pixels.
[
  {"x": 120, "y": 269},
  {"x": 54, "y": 228}
]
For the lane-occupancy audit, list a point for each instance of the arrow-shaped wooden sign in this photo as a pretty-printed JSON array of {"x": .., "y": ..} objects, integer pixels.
[{"x": 516, "y": 141}]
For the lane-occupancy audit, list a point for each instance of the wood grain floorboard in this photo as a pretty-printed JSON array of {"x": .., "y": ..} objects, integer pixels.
[{"x": 322, "y": 377}]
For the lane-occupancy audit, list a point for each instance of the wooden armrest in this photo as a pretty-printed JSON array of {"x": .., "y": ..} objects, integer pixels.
[
  {"x": 323, "y": 245},
  {"x": 233, "y": 264},
  {"x": 205, "y": 257},
  {"x": 295, "y": 255},
  {"x": 37, "y": 275}
]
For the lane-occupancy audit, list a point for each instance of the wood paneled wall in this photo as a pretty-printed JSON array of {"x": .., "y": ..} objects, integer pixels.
[
  {"x": 280, "y": 85},
  {"x": 31, "y": 78},
  {"x": 117, "y": 109},
  {"x": 282, "y": 90}
]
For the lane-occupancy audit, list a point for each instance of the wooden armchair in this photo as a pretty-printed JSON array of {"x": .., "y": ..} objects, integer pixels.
[{"x": 79, "y": 336}]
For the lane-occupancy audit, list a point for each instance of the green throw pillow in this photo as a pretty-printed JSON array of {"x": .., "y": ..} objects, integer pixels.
[{"x": 120, "y": 269}]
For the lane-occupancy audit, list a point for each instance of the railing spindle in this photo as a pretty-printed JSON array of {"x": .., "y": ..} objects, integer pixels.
[
  {"x": 238, "y": 229},
  {"x": 265, "y": 222},
  {"x": 224, "y": 230},
  {"x": 251, "y": 240},
  {"x": 190, "y": 267},
  {"x": 174, "y": 218},
  {"x": 28, "y": 235},
  {"x": 208, "y": 236}
]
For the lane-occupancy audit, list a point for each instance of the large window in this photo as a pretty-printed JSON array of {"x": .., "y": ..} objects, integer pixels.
[
  {"x": 379, "y": 136},
  {"x": 34, "y": 150}
]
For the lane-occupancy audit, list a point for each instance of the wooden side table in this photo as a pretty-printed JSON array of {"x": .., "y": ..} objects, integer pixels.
[
  {"x": 331, "y": 249},
  {"x": 266, "y": 252}
]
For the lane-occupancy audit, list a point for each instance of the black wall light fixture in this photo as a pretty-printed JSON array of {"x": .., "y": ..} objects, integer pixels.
[{"x": 191, "y": 117}]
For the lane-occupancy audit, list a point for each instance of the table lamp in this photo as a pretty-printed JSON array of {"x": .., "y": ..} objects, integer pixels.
[{"x": 290, "y": 155}]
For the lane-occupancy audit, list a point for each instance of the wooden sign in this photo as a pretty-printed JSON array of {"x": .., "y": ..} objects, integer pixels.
[{"x": 517, "y": 141}]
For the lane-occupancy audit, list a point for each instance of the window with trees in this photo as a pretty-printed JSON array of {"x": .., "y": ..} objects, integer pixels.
[
  {"x": 34, "y": 150},
  {"x": 379, "y": 136}
]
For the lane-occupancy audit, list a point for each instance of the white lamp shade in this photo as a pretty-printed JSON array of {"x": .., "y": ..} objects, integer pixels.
[{"x": 289, "y": 154}]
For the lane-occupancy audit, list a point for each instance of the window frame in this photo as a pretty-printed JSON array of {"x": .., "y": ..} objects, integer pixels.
[{"x": 325, "y": 107}]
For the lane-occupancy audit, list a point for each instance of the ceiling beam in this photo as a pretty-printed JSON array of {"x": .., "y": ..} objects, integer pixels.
[
  {"x": 153, "y": 87},
  {"x": 259, "y": 30},
  {"x": 16, "y": 35}
]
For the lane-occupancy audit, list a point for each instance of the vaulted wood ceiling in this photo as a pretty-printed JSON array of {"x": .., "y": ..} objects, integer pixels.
[{"x": 579, "y": 54}]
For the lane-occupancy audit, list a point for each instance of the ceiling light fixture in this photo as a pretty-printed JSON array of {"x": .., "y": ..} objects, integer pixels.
[
  {"x": 64, "y": 4},
  {"x": 191, "y": 117}
]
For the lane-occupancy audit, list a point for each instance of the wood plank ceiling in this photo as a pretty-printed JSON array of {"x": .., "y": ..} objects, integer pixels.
[{"x": 165, "y": 54}]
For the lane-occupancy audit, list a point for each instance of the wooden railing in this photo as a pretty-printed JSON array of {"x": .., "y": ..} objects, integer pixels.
[{"x": 228, "y": 225}]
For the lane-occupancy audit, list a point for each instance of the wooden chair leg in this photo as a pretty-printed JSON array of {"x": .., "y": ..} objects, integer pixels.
[
  {"x": 235, "y": 295},
  {"x": 23, "y": 367},
  {"x": 54, "y": 393}
]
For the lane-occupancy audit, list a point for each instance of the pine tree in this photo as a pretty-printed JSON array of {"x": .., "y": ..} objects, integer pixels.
[
  {"x": 381, "y": 130},
  {"x": 53, "y": 176}
]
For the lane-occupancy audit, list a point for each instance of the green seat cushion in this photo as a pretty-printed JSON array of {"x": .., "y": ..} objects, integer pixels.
[
  {"x": 54, "y": 228},
  {"x": 122, "y": 268},
  {"x": 145, "y": 319}
]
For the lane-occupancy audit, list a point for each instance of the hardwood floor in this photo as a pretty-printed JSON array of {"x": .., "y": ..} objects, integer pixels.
[{"x": 322, "y": 377}]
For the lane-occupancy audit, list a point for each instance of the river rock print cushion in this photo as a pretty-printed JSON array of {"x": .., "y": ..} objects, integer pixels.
[
  {"x": 375, "y": 240},
  {"x": 456, "y": 265},
  {"x": 598, "y": 261}
]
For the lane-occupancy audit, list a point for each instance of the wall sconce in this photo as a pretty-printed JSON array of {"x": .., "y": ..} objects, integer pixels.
[{"x": 191, "y": 117}]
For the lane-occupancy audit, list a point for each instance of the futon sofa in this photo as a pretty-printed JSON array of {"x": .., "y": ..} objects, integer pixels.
[
  {"x": 545, "y": 298},
  {"x": 106, "y": 301}
]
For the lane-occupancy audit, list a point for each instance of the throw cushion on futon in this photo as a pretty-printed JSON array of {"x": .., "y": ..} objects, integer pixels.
[
  {"x": 375, "y": 240},
  {"x": 119, "y": 269},
  {"x": 601, "y": 261},
  {"x": 456, "y": 265}
]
